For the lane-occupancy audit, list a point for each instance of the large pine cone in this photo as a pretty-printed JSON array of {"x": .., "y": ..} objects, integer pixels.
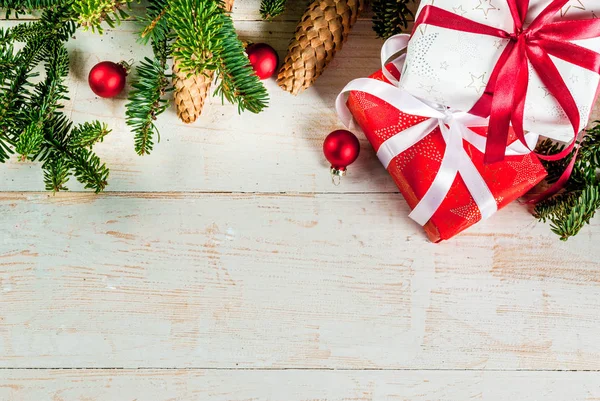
[{"x": 321, "y": 32}]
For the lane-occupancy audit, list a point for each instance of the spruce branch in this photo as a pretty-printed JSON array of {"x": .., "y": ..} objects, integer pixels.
[
  {"x": 146, "y": 102},
  {"x": 92, "y": 13},
  {"x": 88, "y": 169},
  {"x": 581, "y": 209},
  {"x": 87, "y": 134},
  {"x": 31, "y": 120},
  {"x": 45, "y": 99},
  {"x": 270, "y": 9},
  {"x": 56, "y": 173},
  {"x": 154, "y": 22},
  {"x": 570, "y": 210},
  {"x": 60, "y": 149},
  {"x": 239, "y": 84},
  {"x": 197, "y": 25},
  {"x": 390, "y": 17}
]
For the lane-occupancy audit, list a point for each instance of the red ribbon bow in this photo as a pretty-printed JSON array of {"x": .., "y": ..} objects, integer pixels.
[{"x": 504, "y": 97}]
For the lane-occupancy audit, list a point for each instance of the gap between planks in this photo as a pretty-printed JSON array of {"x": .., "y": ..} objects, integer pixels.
[{"x": 193, "y": 368}]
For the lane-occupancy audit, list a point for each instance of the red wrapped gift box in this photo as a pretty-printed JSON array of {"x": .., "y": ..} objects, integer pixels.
[{"x": 415, "y": 169}]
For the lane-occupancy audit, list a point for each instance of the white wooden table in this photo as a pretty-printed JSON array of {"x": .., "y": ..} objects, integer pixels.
[{"x": 225, "y": 266}]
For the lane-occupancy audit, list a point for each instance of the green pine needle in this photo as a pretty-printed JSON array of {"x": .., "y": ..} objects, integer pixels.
[
  {"x": 570, "y": 210},
  {"x": 92, "y": 13},
  {"x": 270, "y": 9},
  {"x": 30, "y": 106},
  {"x": 390, "y": 17},
  {"x": 239, "y": 84},
  {"x": 146, "y": 102}
]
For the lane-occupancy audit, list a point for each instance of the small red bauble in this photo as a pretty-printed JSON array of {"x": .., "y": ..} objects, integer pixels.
[
  {"x": 263, "y": 58},
  {"x": 341, "y": 148},
  {"x": 107, "y": 79}
]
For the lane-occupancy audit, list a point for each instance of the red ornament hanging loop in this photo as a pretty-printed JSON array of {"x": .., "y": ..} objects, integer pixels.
[{"x": 341, "y": 148}]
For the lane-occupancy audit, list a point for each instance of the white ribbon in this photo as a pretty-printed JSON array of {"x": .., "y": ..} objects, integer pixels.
[{"x": 453, "y": 125}]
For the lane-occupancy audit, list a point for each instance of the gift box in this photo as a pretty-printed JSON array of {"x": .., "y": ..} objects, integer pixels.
[
  {"x": 415, "y": 169},
  {"x": 454, "y": 52}
]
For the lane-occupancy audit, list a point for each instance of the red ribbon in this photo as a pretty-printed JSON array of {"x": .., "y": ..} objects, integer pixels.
[{"x": 504, "y": 97}]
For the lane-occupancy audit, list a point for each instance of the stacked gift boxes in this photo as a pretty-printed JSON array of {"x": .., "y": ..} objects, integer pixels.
[{"x": 458, "y": 56}]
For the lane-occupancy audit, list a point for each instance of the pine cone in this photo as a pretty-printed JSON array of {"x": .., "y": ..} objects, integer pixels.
[
  {"x": 191, "y": 90},
  {"x": 321, "y": 32},
  {"x": 190, "y": 93}
]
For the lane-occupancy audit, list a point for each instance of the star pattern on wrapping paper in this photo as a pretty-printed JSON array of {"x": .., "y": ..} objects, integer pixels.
[
  {"x": 424, "y": 147},
  {"x": 459, "y": 10},
  {"x": 486, "y": 6},
  {"x": 417, "y": 59},
  {"x": 439, "y": 99},
  {"x": 574, "y": 78},
  {"x": 444, "y": 65},
  {"x": 572, "y": 5},
  {"x": 427, "y": 88},
  {"x": 526, "y": 170},
  {"x": 363, "y": 102},
  {"x": 546, "y": 91},
  {"x": 470, "y": 212},
  {"x": 404, "y": 121},
  {"x": 499, "y": 43},
  {"x": 477, "y": 82}
]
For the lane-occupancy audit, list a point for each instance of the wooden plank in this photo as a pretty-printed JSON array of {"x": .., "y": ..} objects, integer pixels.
[
  {"x": 278, "y": 150},
  {"x": 246, "y": 10},
  {"x": 225, "y": 385},
  {"x": 281, "y": 281}
]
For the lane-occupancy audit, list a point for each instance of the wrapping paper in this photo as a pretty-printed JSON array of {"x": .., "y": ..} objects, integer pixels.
[
  {"x": 415, "y": 169},
  {"x": 452, "y": 67}
]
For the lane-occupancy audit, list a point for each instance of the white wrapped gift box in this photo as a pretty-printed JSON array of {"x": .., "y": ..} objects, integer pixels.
[{"x": 453, "y": 67}]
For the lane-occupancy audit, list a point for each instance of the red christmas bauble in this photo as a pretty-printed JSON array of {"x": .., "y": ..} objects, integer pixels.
[
  {"x": 107, "y": 79},
  {"x": 263, "y": 58},
  {"x": 341, "y": 148}
]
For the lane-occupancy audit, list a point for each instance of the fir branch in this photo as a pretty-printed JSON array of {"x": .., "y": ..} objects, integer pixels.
[
  {"x": 28, "y": 6},
  {"x": 270, "y": 9},
  {"x": 239, "y": 84},
  {"x": 45, "y": 100},
  {"x": 88, "y": 169},
  {"x": 56, "y": 173},
  {"x": 154, "y": 22},
  {"x": 570, "y": 210},
  {"x": 60, "y": 142},
  {"x": 146, "y": 102},
  {"x": 576, "y": 213},
  {"x": 92, "y": 13},
  {"x": 30, "y": 116},
  {"x": 390, "y": 17},
  {"x": 87, "y": 134},
  {"x": 197, "y": 25},
  {"x": 15, "y": 90}
]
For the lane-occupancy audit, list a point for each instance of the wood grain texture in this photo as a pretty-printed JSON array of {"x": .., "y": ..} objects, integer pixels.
[
  {"x": 280, "y": 281},
  {"x": 178, "y": 287},
  {"x": 290, "y": 385}
]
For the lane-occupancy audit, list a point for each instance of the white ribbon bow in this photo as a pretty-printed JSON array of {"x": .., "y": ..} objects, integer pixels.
[{"x": 453, "y": 125}]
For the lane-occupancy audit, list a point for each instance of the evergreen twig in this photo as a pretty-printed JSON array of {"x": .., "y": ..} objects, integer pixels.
[
  {"x": 570, "y": 210},
  {"x": 390, "y": 17},
  {"x": 270, "y": 9}
]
